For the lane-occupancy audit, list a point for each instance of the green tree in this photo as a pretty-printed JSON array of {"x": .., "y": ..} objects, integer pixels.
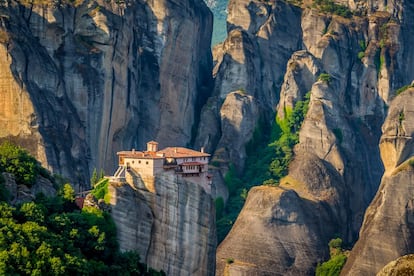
[
  {"x": 334, "y": 265},
  {"x": 16, "y": 160},
  {"x": 94, "y": 178},
  {"x": 68, "y": 193}
]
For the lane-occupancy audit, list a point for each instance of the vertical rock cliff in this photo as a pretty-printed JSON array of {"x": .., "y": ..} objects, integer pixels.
[
  {"x": 387, "y": 231},
  {"x": 352, "y": 65},
  {"x": 82, "y": 80},
  {"x": 172, "y": 229}
]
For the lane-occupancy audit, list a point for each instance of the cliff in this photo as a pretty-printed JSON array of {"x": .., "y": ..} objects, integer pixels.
[
  {"x": 401, "y": 266},
  {"x": 352, "y": 67},
  {"x": 172, "y": 228},
  {"x": 387, "y": 230},
  {"x": 82, "y": 80}
]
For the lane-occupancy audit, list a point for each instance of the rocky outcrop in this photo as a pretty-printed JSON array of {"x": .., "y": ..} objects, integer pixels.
[
  {"x": 251, "y": 61},
  {"x": 84, "y": 80},
  {"x": 387, "y": 231},
  {"x": 173, "y": 228},
  {"x": 18, "y": 193},
  {"x": 401, "y": 266},
  {"x": 352, "y": 68}
]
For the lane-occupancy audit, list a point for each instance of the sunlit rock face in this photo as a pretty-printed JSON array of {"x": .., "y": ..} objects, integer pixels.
[
  {"x": 82, "y": 81},
  {"x": 172, "y": 228},
  {"x": 386, "y": 232},
  {"x": 276, "y": 53}
]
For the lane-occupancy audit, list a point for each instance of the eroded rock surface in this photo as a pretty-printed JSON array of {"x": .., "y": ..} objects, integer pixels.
[
  {"x": 387, "y": 230},
  {"x": 172, "y": 229},
  {"x": 337, "y": 167},
  {"x": 84, "y": 80}
]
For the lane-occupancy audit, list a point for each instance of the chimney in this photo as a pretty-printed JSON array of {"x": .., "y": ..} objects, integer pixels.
[
  {"x": 152, "y": 146},
  {"x": 175, "y": 150},
  {"x": 202, "y": 149}
]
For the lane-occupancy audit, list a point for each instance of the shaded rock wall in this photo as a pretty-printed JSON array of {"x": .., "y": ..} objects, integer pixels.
[
  {"x": 386, "y": 233},
  {"x": 82, "y": 81},
  {"x": 337, "y": 167},
  {"x": 172, "y": 229}
]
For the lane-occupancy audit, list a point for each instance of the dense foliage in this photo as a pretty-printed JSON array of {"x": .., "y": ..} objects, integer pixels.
[
  {"x": 101, "y": 190},
  {"x": 329, "y": 6},
  {"x": 20, "y": 163},
  {"x": 334, "y": 265},
  {"x": 269, "y": 154},
  {"x": 52, "y": 236}
]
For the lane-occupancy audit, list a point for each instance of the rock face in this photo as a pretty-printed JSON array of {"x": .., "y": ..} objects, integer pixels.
[
  {"x": 402, "y": 266},
  {"x": 251, "y": 62},
  {"x": 337, "y": 167},
  {"x": 172, "y": 229},
  {"x": 19, "y": 193},
  {"x": 387, "y": 231},
  {"x": 81, "y": 81}
]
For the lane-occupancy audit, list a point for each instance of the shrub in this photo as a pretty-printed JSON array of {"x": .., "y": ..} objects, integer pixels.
[
  {"x": 329, "y": 6},
  {"x": 100, "y": 191},
  {"x": 331, "y": 267},
  {"x": 270, "y": 182},
  {"x": 335, "y": 243},
  {"x": 229, "y": 260},
  {"x": 402, "y": 89},
  {"x": 324, "y": 77},
  {"x": 334, "y": 265},
  {"x": 17, "y": 161}
]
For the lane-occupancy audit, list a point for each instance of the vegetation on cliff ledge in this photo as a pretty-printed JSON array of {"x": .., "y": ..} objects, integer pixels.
[
  {"x": 269, "y": 154},
  {"x": 52, "y": 236},
  {"x": 20, "y": 163},
  {"x": 334, "y": 265}
]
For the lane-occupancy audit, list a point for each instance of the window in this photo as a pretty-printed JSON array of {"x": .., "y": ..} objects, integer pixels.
[
  {"x": 146, "y": 162},
  {"x": 139, "y": 161},
  {"x": 133, "y": 161}
]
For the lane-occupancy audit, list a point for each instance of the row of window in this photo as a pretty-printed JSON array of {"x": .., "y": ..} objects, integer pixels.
[
  {"x": 194, "y": 159},
  {"x": 139, "y": 162},
  {"x": 192, "y": 167}
]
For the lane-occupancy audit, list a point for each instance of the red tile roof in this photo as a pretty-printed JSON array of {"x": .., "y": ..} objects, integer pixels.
[
  {"x": 174, "y": 152},
  {"x": 179, "y": 152},
  {"x": 140, "y": 154}
]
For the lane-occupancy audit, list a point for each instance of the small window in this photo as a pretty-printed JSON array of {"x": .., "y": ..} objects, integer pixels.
[
  {"x": 133, "y": 161},
  {"x": 139, "y": 161},
  {"x": 146, "y": 162}
]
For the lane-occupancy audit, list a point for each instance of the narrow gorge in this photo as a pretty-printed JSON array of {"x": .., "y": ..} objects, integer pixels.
[{"x": 83, "y": 80}]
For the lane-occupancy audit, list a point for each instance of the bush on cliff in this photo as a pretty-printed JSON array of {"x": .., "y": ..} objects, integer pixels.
[
  {"x": 334, "y": 265},
  {"x": 17, "y": 161},
  {"x": 52, "y": 236},
  {"x": 268, "y": 156}
]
